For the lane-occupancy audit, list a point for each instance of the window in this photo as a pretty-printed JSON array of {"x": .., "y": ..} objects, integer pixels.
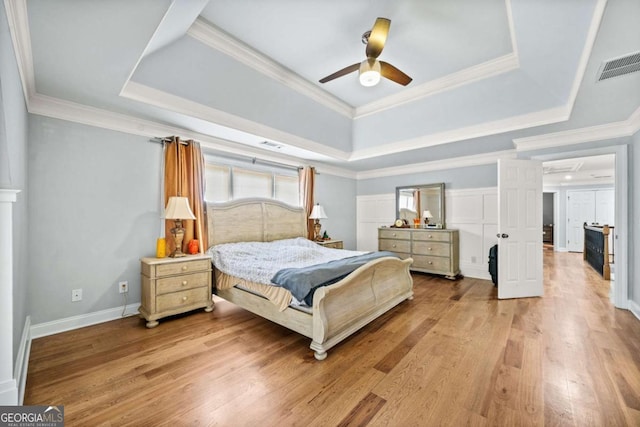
[{"x": 231, "y": 182}]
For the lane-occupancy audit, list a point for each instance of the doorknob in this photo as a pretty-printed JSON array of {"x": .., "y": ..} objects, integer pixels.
[
  {"x": 504, "y": 236},
  {"x": 498, "y": 235}
]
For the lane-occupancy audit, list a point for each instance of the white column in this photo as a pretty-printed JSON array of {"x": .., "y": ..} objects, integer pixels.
[{"x": 8, "y": 385}]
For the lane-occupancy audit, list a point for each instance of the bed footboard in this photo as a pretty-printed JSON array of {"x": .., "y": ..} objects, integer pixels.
[{"x": 343, "y": 308}]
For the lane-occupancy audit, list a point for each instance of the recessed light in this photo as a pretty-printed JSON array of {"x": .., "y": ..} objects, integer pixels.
[{"x": 567, "y": 177}]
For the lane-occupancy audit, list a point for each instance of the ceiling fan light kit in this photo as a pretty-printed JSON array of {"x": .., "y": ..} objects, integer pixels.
[{"x": 370, "y": 70}]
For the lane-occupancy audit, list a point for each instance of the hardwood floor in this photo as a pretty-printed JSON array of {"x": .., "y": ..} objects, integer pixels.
[{"x": 454, "y": 355}]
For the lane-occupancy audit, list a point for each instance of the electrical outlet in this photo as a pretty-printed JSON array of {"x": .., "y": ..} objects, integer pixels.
[
  {"x": 76, "y": 295},
  {"x": 123, "y": 287}
]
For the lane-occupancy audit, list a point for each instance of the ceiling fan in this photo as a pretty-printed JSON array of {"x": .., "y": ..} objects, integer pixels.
[{"x": 371, "y": 68}]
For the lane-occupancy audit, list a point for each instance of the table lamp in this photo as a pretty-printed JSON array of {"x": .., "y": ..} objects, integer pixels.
[
  {"x": 317, "y": 213},
  {"x": 177, "y": 210},
  {"x": 427, "y": 215}
]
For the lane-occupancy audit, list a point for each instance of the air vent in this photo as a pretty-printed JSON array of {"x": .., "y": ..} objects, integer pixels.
[
  {"x": 619, "y": 66},
  {"x": 270, "y": 144}
]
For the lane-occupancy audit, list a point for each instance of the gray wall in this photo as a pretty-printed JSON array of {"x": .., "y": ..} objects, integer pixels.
[
  {"x": 94, "y": 211},
  {"x": 13, "y": 170},
  {"x": 634, "y": 217},
  {"x": 547, "y": 208},
  {"x": 338, "y": 197},
  {"x": 458, "y": 178}
]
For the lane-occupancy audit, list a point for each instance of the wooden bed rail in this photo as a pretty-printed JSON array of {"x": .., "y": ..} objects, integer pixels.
[{"x": 596, "y": 248}]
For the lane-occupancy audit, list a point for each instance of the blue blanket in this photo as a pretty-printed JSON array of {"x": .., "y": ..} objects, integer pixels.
[{"x": 302, "y": 282}]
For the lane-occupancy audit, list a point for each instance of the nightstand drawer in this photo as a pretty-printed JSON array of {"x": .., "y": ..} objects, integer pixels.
[
  {"x": 394, "y": 234},
  {"x": 433, "y": 263},
  {"x": 185, "y": 266},
  {"x": 176, "y": 300},
  {"x": 394, "y": 245},
  {"x": 431, "y": 248},
  {"x": 179, "y": 283}
]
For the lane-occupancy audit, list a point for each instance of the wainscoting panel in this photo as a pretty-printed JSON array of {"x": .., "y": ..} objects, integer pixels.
[
  {"x": 373, "y": 211},
  {"x": 474, "y": 212}
]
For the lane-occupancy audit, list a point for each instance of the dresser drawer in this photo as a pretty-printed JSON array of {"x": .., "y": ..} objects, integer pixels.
[
  {"x": 394, "y": 234},
  {"x": 431, "y": 248},
  {"x": 394, "y": 245},
  {"x": 434, "y": 236},
  {"x": 179, "y": 283},
  {"x": 182, "y": 267},
  {"x": 433, "y": 263},
  {"x": 180, "y": 299}
]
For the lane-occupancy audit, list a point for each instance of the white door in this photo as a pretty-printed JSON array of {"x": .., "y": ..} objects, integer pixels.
[
  {"x": 519, "y": 228},
  {"x": 581, "y": 208},
  {"x": 605, "y": 207}
]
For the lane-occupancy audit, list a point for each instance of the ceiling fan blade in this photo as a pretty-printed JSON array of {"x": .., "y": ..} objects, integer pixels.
[
  {"x": 343, "y": 72},
  {"x": 392, "y": 73},
  {"x": 378, "y": 37}
]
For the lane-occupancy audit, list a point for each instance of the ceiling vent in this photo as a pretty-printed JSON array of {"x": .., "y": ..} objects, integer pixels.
[
  {"x": 271, "y": 144},
  {"x": 619, "y": 66}
]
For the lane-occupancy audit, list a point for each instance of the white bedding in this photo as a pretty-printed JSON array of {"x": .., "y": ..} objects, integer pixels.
[{"x": 260, "y": 261}]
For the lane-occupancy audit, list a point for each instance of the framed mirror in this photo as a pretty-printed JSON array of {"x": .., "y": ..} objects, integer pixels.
[{"x": 413, "y": 202}]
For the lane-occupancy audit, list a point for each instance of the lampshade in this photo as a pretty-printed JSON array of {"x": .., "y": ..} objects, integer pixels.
[
  {"x": 318, "y": 213},
  {"x": 369, "y": 72},
  {"x": 178, "y": 208},
  {"x": 427, "y": 214}
]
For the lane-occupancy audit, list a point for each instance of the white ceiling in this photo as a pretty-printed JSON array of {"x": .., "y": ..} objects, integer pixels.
[
  {"x": 592, "y": 170},
  {"x": 489, "y": 75}
]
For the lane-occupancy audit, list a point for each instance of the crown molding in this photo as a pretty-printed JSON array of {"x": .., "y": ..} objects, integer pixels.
[
  {"x": 537, "y": 118},
  {"x": 436, "y": 165},
  {"x": 619, "y": 129},
  {"x": 217, "y": 39},
  {"x": 451, "y": 81},
  {"x": 18, "y": 20},
  {"x": 158, "y": 98},
  {"x": 78, "y": 113},
  {"x": 596, "y": 19}
]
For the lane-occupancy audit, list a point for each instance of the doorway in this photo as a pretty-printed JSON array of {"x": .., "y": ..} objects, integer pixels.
[{"x": 565, "y": 178}]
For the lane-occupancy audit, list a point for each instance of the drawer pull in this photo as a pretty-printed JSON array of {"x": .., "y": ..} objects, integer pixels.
[
  {"x": 184, "y": 283},
  {"x": 430, "y": 236},
  {"x": 429, "y": 249},
  {"x": 394, "y": 234},
  {"x": 184, "y": 298},
  {"x": 184, "y": 267},
  {"x": 393, "y": 246},
  {"x": 430, "y": 262}
]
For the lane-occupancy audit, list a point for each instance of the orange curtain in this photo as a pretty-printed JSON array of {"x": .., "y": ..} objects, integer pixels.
[
  {"x": 307, "y": 180},
  {"x": 184, "y": 176}
]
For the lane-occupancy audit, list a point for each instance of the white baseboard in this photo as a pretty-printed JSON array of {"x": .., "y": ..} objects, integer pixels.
[
  {"x": 8, "y": 393},
  {"x": 634, "y": 307},
  {"x": 22, "y": 359},
  {"x": 76, "y": 322},
  {"x": 557, "y": 249}
]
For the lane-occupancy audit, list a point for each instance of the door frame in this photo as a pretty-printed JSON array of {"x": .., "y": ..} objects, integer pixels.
[{"x": 619, "y": 293}]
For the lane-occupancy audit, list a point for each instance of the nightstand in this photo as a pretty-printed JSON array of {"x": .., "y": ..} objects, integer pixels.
[
  {"x": 335, "y": 244},
  {"x": 174, "y": 285}
]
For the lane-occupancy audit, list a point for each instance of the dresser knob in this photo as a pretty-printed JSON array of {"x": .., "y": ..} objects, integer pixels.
[
  {"x": 430, "y": 236},
  {"x": 394, "y": 234},
  {"x": 184, "y": 283},
  {"x": 430, "y": 262},
  {"x": 184, "y": 267},
  {"x": 429, "y": 248},
  {"x": 393, "y": 246},
  {"x": 184, "y": 298}
]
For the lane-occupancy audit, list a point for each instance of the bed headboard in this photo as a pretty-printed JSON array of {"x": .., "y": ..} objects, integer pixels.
[{"x": 254, "y": 220}]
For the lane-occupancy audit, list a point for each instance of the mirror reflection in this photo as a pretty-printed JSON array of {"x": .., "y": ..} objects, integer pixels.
[{"x": 421, "y": 205}]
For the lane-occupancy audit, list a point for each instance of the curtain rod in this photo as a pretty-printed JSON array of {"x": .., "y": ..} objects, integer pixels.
[{"x": 254, "y": 160}]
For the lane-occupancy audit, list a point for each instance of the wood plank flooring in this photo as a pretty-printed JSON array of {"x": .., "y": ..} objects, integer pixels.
[{"x": 455, "y": 355}]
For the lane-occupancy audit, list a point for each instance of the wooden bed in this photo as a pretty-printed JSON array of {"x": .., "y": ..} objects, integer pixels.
[{"x": 339, "y": 309}]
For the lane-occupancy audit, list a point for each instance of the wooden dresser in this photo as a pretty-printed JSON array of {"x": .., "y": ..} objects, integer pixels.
[
  {"x": 433, "y": 250},
  {"x": 174, "y": 285}
]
